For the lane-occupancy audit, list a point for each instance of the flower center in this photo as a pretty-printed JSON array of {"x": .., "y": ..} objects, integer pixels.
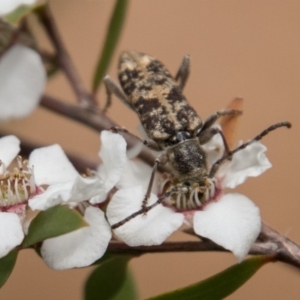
[{"x": 16, "y": 186}]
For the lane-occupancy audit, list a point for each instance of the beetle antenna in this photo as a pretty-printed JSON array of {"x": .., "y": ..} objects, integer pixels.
[
  {"x": 219, "y": 162},
  {"x": 145, "y": 209}
]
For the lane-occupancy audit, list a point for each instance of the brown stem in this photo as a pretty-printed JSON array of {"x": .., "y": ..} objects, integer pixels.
[
  {"x": 275, "y": 248},
  {"x": 267, "y": 248},
  {"x": 121, "y": 248},
  {"x": 64, "y": 60},
  {"x": 95, "y": 120},
  {"x": 287, "y": 251}
]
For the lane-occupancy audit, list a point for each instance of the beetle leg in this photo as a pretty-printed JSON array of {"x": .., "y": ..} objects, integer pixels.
[
  {"x": 162, "y": 159},
  {"x": 209, "y": 133},
  {"x": 145, "y": 209},
  {"x": 112, "y": 87},
  {"x": 149, "y": 143},
  {"x": 183, "y": 72},
  {"x": 214, "y": 117},
  {"x": 206, "y": 132}
]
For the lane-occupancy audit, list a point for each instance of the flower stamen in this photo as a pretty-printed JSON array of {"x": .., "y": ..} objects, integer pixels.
[{"x": 17, "y": 186}]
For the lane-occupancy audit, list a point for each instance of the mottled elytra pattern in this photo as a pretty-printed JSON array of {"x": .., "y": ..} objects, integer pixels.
[{"x": 155, "y": 96}]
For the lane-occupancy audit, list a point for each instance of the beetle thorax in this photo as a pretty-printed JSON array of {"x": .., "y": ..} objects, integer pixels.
[{"x": 188, "y": 161}]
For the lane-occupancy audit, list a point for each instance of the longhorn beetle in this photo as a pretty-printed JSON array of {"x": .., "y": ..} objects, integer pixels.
[{"x": 173, "y": 127}]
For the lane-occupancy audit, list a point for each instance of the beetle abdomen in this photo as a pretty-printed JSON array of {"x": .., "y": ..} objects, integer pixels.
[{"x": 155, "y": 96}]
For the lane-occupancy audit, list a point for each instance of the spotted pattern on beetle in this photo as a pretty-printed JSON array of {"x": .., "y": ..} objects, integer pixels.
[{"x": 155, "y": 96}]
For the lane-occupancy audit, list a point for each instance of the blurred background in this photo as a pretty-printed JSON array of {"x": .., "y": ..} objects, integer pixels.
[{"x": 238, "y": 48}]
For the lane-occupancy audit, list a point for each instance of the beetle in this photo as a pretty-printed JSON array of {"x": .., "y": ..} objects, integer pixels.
[{"x": 173, "y": 127}]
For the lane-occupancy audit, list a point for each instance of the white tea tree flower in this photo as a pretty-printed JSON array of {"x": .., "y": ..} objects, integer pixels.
[
  {"x": 22, "y": 73},
  {"x": 65, "y": 186},
  {"x": 16, "y": 187},
  {"x": 23, "y": 79},
  {"x": 230, "y": 220}
]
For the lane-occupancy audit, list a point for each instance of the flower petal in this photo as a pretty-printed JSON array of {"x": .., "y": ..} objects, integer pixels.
[
  {"x": 79, "y": 248},
  {"x": 233, "y": 223},
  {"x": 54, "y": 195},
  {"x": 71, "y": 192},
  {"x": 22, "y": 82},
  {"x": 113, "y": 155},
  {"x": 11, "y": 232},
  {"x": 7, "y": 6},
  {"x": 150, "y": 229},
  {"x": 85, "y": 188},
  {"x": 249, "y": 162},
  {"x": 136, "y": 173},
  {"x": 9, "y": 149},
  {"x": 51, "y": 165}
]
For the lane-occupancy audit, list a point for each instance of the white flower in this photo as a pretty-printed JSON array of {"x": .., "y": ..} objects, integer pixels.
[
  {"x": 151, "y": 229},
  {"x": 137, "y": 173},
  {"x": 79, "y": 248},
  {"x": 7, "y": 6},
  {"x": 15, "y": 189},
  {"x": 231, "y": 220},
  {"x": 65, "y": 186},
  {"x": 22, "y": 82},
  {"x": 22, "y": 73},
  {"x": 113, "y": 156}
]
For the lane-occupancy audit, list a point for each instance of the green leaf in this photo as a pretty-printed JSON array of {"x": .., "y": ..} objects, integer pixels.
[
  {"x": 220, "y": 285},
  {"x": 111, "y": 281},
  {"x": 107, "y": 256},
  {"x": 111, "y": 40},
  {"x": 7, "y": 264},
  {"x": 53, "y": 222},
  {"x": 127, "y": 290},
  {"x": 16, "y": 16}
]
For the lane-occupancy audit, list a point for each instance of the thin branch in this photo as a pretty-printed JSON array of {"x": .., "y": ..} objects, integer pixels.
[
  {"x": 280, "y": 251},
  {"x": 287, "y": 251},
  {"x": 64, "y": 60},
  {"x": 95, "y": 120},
  {"x": 267, "y": 248},
  {"x": 201, "y": 246}
]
